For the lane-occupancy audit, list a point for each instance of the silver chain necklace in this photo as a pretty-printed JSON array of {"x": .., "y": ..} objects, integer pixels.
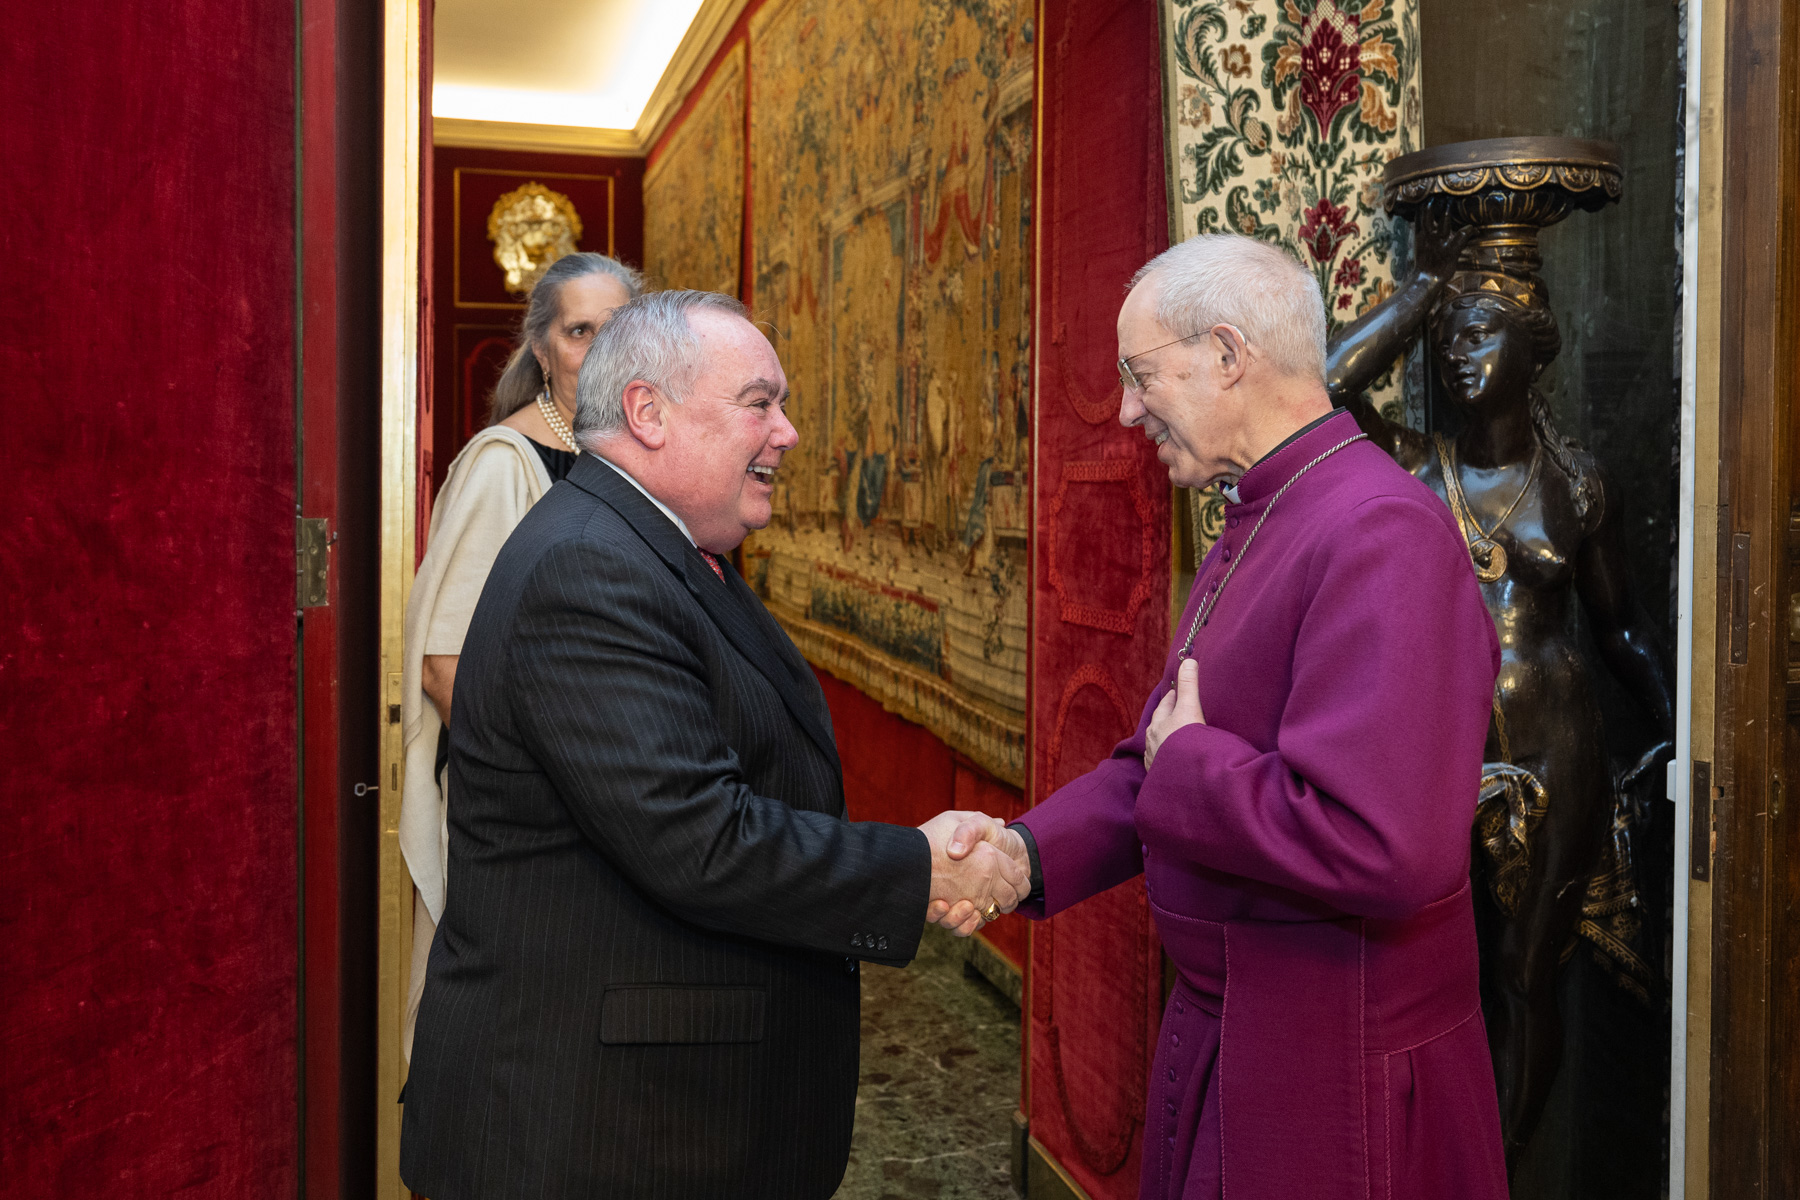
[{"x": 1211, "y": 602}]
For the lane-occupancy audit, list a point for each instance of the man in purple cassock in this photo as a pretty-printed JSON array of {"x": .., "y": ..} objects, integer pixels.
[{"x": 1301, "y": 785}]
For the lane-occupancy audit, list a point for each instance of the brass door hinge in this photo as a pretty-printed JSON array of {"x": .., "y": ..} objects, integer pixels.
[{"x": 312, "y": 553}]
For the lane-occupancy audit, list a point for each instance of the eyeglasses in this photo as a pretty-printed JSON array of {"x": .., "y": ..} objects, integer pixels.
[{"x": 1128, "y": 378}]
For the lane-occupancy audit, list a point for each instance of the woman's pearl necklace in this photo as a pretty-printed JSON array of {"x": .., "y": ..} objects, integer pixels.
[{"x": 554, "y": 420}]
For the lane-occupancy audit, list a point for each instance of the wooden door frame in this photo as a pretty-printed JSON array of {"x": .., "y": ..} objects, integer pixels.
[
  {"x": 400, "y": 248},
  {"x": 1744, "y": 1012}
]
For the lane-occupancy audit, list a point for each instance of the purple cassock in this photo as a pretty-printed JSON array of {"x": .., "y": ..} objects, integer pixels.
[{"x": 1306, "y": 850}]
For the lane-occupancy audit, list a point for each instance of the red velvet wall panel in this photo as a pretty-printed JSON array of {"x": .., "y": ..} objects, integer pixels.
[
  {"x": 1100, "y": 602},
  {"x": 474, "y": 317},
  {"x": 148, "y": 790}
]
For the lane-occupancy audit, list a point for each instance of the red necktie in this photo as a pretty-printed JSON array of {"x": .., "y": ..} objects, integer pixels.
[{"x": 713, "y": 563}]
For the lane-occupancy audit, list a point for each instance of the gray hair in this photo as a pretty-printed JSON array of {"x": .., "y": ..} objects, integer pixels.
[
  {"x": 650, "y": 339},
  {"x": 523, "y": 378},
  {"x": 1235, "y": 280}
]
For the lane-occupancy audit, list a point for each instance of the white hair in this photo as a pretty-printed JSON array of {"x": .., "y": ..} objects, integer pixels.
[
  {"x": 1226, "y": 278},
  {"x": 648, "y": 339}
]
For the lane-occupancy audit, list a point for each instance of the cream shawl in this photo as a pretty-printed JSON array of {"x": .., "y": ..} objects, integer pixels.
[{"x": 490, "y": 486}]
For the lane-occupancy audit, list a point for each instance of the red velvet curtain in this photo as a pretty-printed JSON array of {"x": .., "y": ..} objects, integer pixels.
[
  {"x": 147, "y": 664},
  {"x": 1101, "y": 580}
]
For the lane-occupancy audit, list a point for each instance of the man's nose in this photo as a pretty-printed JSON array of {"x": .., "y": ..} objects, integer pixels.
[
  {"x": 1131, "y": 407},
  {"x": 785, "y": 437}
]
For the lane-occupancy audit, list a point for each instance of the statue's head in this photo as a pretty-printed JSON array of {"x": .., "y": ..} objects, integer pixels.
[{"x": 1492, "y": 336}]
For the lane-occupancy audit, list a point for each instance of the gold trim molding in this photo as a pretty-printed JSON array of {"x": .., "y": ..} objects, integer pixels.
[
  {"x": 701, "y": 42},
  {"x": 511, "y": 135},
  {"x": 698, "y": 45},
  {"x": 989, "y": 737}
]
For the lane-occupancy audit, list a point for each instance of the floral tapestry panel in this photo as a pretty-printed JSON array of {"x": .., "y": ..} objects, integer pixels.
[
  {"x": 1282, "y": 116},
  {"x": 891, "y": 237},
  {"x": 694, "y": 191}
]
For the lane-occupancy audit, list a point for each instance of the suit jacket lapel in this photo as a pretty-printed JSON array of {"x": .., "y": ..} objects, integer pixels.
[{"x": 729, "y": 604}]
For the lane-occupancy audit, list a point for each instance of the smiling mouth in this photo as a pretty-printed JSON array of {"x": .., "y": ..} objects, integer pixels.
[
  {"x": 1160, "y": 438},
  {"x": 762, "y": 474}
]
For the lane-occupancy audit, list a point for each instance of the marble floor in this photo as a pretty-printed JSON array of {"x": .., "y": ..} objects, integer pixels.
[{"x": 940, "y": 1081}]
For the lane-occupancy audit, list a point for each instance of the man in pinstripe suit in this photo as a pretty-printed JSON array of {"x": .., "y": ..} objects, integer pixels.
[{"x": 645, "y": 982}]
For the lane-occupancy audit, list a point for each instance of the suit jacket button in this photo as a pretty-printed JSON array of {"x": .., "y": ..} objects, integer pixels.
[
  {"x": 849, "y": 966},
  {"x": 881, "y": 943},
  {"x": 856, "y": 939}
]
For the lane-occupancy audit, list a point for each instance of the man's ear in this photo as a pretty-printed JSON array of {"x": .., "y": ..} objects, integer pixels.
[
  {"x": 644, "y": 414},
  {"x": 1232, "y": 355}
]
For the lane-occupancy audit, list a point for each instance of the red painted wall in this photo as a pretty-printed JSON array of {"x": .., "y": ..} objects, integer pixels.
[
  {"x": 148, "y": 788},
  {"x": 474, "y": 317}
]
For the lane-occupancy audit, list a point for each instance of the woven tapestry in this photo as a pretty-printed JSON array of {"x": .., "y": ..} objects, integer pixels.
[
  {"x": 694, "y": 191},
  {"x": 1281, "y": 116},
  {"x": 891, "y": 237}
]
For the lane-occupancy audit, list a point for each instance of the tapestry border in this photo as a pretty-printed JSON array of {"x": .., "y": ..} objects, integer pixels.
[{"x": 994, "y": 740}]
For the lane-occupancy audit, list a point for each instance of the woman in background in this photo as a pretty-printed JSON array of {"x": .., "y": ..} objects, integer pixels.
[{"x": 527, "y": 446}]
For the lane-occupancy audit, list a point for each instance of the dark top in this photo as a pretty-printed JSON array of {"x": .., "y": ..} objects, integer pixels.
[
  {"x": 644, "y": 984},
  {"x": 556, "y": 461}
]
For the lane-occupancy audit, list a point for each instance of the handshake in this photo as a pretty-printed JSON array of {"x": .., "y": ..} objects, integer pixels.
[{"x": 979, "y": 869}]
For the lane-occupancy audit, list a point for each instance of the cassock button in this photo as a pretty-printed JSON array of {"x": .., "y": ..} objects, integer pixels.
[
  {"x": 1174, "y": 1039},
  {"x": 1171, "y": 1074},
  {"x": 1225, "y": 553},
  {"x": 1232, "y": 522},
  {"x": 1180, "y": 1008}
]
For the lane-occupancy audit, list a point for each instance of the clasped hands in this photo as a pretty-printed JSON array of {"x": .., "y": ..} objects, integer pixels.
[{"x": 979, "y": 869}]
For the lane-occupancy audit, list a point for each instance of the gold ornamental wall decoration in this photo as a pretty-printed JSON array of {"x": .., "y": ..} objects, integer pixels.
[{"x": 531, "y": 227}]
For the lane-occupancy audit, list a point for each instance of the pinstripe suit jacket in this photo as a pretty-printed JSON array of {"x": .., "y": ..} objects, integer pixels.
[{"x": 644, "y": 984}]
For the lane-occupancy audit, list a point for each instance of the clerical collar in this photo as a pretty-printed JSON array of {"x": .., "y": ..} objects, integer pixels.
[
  {"x": 665, "y": 509},
  {"x": 1230, "y": 490}
]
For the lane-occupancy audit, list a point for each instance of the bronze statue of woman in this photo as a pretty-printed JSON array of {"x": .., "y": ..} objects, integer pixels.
[{"x": 1544, "y": 527}]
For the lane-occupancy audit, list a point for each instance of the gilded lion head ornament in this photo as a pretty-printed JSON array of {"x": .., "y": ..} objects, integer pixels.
[{"x": 531, "y": 227}]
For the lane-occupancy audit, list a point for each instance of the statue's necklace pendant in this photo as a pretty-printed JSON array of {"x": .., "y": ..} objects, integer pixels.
[
  {"x": 1489, "y": 558},
  {"x": 1486, "y": 554}
]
